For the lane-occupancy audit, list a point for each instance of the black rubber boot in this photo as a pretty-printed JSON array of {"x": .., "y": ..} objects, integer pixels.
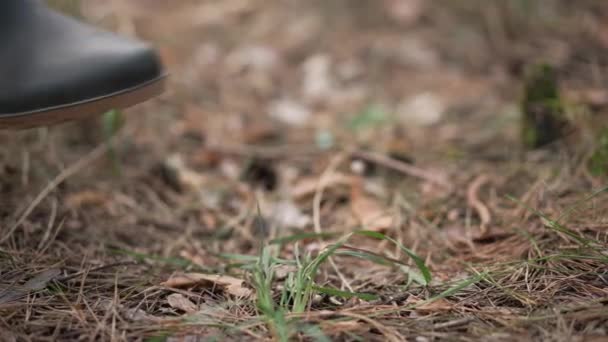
[{"x": 54, "y": 68}]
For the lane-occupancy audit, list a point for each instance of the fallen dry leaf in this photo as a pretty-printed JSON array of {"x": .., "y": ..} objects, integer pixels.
[
  {"x": 307, "y": 186},
  {"x": 368, "y": 211},
  {"x": 181, "y": 176},
  {"x": 371, "y": 214},
  {"x": 193, "y": 257},
  {"x": 180, "y": 302},
  {"x": 281, "y": 272},
  {"x": 335, "y": 328},
  {"x": 590, "y": 96},
  {"x": 230, "y": 285},
  {"x": 434, "y": 306},
  {"x": 86, "y": 198},
  {"x": 36, "y": 283}
]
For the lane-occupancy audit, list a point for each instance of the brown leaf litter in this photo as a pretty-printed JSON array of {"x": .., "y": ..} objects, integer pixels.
[{"x": 229, "y": 285}]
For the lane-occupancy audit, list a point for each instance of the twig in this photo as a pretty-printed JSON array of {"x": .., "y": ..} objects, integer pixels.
[
  {"x": 473, "y": 200},
  {"x": 453, "y": 323},
  {"x": 323, "y": 181},
  {"x": 266, "y": 152},
  {"x": 49, "y": 226},
  {"x": 402, "y": 167},
  {"x": 96, "y": 269}
]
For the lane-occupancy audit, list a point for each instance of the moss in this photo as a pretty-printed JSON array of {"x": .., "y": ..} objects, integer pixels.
[
  {"x": 70, "y": 7},
  {"x": 543, "y": 116},
  {"x": 598, "y": 164}
]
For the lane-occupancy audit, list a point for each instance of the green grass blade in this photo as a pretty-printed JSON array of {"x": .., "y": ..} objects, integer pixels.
[
  {"x": 454, "y": 289},
  {"x": 315, "y": 333},
  {"x": 112, "y": 121},
  {"x": 376, "y": 259},
  {"x": 302, "y": 236},
  {"x": 253, "y": 259},
  {"x": 263, "y": 277},
  {"x": 576, "y": 205},
  {"x": 345, "y": 294},
  {"x": 554, "y": 225},
  {"x": 424, "y": 270}
]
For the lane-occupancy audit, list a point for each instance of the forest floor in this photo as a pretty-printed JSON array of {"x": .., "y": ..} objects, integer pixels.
[{"x": 319, "y": 170}]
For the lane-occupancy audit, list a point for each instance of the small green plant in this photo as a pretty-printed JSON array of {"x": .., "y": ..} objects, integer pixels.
[
  {"x": 263, "y": 276},
  {"x": 598, "y": 163},
  {"x": 557, "y": 226},
  {"x": 300, "y": 285},
  {"x": 370, "y": 117},
  {"x": 71, "y": 7},
  {"x": 112, "y": 121},
  {"x": 543, "y": 114}
]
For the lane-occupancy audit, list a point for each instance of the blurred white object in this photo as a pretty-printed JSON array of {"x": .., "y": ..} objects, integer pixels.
[
  {"x": 290, "y": 112},
  {"x": 256, "y": 57},
  {"x": 317, "y": 83},
  {"x": 287, "y": 215},
  {"x": 424, "y": 109}
]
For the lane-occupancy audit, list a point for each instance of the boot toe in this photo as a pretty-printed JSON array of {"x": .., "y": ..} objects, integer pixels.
[
  {"x": 109, "y": 70},
  {"x": 57, "y": 62}
]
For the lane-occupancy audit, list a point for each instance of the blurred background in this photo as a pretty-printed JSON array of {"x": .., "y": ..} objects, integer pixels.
[
  {"x": 322, "y": 73},
  {"x": 264, "y": 93},
  {"x": 388, "y": 73}
]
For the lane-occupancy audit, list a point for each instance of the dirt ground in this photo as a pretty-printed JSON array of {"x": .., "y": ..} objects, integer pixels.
[{"x": 368, "y": 151}]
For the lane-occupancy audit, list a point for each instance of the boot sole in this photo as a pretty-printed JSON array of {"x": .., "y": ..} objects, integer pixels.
[{"x": 84, "y": 109}]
